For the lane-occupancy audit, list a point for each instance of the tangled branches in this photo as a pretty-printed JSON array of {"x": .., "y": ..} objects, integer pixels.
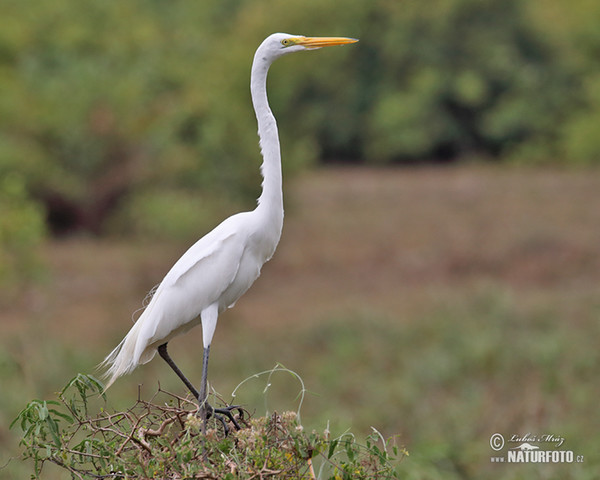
[{"x": 161, "y": 438}]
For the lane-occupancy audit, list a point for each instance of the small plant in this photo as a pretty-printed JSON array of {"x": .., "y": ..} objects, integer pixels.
[{"x": 161, "y": 438}]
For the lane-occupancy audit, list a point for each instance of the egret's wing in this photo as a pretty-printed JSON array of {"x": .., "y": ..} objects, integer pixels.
[{"x": 196, "y": 281}]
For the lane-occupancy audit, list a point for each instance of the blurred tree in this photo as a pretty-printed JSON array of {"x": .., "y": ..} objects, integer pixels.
[
  {"x": 115, "y": 115},
  {"x": 461, "y": 77},
  {"x": 101, "y": 97},
  {"x": 572, "y": 27},
  {"x": 21, "y": 231}
]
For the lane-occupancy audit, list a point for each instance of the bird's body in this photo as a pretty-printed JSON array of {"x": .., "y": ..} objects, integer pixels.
[
  {"x": 218, "y": 269},
  {"x": 231, "y": 256}
]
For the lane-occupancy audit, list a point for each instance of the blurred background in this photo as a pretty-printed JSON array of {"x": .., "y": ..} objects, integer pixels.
[{"x": 438, "y": 274}]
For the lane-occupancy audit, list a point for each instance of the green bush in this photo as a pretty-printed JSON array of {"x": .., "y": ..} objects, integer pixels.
[{"x": 163, "y": 438}]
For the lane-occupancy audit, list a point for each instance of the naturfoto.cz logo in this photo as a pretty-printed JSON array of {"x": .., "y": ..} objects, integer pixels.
[{"x": 527, "y": 449}]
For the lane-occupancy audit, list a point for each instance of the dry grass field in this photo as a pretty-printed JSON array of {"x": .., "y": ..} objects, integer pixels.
[{"x": 442, "y": 305}]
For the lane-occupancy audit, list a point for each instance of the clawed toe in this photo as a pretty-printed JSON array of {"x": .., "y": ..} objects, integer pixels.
[
  {"x": 228, "y": 412},
  {"x": 224, "y": 414}
]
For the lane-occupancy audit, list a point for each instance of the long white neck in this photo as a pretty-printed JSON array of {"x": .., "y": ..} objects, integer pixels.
[{"x": 270, "y": 201}]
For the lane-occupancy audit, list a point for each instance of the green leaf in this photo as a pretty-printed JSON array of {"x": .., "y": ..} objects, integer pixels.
[
  {"x": 53, "y": 427},
  {"x": 42, "y": 411},
  {"x": 350, "y": 451},
  {"x": 65, "y": 416},
  {"x": 332, "y": 446}
]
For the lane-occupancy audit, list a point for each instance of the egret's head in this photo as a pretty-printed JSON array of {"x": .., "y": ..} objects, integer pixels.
[{"x": 280, "y": 44}]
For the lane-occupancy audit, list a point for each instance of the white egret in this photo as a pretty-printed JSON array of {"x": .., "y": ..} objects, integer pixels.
[{"x": 222, "y": 265}]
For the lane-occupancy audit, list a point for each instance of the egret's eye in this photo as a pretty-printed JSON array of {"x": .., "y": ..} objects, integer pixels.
[{"x": 286, "y": 42}]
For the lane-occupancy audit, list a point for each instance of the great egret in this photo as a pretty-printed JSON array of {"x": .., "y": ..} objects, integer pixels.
[{"x": 223, "y": 264}]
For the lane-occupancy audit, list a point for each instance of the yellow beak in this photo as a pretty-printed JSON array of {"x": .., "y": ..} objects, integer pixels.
[{"x": 318, "y": 42}]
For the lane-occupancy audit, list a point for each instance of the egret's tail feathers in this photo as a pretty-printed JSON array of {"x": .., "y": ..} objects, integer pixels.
[
  {"x": 117, "y": 363},
  {"x": 122, "y": 359}
]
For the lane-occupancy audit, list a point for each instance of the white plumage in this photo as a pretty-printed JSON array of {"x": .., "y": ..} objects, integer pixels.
[
  {"x": 222, "y": 265},
  {"x": 185, "y": 296}
]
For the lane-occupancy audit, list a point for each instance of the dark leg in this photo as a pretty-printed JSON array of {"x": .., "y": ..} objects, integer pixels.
[
  {"x": 162, "y": 351},
  {"x": 207, "y": 409},
  {"x": 203, "y": 387}
]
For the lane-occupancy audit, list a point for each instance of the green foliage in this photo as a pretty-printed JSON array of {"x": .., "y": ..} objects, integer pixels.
[
  {"x": 162, "y": 438},
  {"x": 174, "y": 213},
  {"x": 21, "y": 231},
  {"x": 576, "y": 40},
  {"x": 103, "y": 99},
  {"x": 470, "y": 78},
  {"x": 125, "y": 118}
]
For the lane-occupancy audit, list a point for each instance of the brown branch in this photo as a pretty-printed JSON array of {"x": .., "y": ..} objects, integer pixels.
[{"x": 131, "y": 436}]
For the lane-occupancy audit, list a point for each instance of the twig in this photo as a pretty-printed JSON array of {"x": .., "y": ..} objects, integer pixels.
[
  {"x": 311, "y": 469},
  {"x": 131, "y": 436}
]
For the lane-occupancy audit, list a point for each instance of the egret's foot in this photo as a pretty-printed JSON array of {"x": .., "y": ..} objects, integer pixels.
[
  {"x": 228, "y": 412},
  {"x": 224, "y": 413}
]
